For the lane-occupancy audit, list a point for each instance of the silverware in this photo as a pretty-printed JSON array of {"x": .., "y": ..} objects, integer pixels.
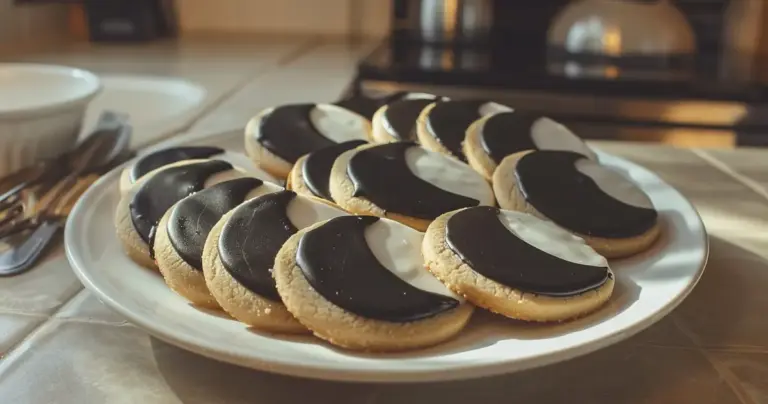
[
  {"x": 46, "y": 224},
  {"x": 35, "y": 225}
]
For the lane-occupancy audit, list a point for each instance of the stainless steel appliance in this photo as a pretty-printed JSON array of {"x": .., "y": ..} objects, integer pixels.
[{"x": 713, "y": 92}]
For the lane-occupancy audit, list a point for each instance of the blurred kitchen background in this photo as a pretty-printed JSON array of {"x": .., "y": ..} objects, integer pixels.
[{"x": 686, "y": 72}]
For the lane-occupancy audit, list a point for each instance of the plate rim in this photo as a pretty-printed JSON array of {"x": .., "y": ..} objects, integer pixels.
[{"x": 347, "y": 373}]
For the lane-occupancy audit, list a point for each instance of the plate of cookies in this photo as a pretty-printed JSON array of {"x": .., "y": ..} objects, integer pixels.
[{"x": 440, "y": 239}]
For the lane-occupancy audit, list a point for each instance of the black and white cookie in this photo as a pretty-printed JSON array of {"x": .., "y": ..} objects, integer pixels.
[
  {"x": 493, "y": 137},
  {"x": 367, "y": 106},
  {"x": 396, "y": 121},
  {"x": 277, "y": 137},
  {"x": 149, "y": 162},
  {"x": 140, "y": 209},
  {"x": 311, "y": 174},
  {"x": 405, "y": 182},
  {"x": 240, "y": 251},
  {"x": 359, "y": 283},
  {"x": 184, "y": 228},
  {"x": 442, "y": 126},
  {"x": 597, "y": 203},
  {"x": 517, "y": 265}
]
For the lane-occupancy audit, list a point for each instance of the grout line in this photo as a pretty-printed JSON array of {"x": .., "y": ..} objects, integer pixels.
[
  {"x": 11, "y": 350},
  {"x": 237, "y": 87},
  {"x": 731, "y": 379},
  {"x": 727, "y": 170}
]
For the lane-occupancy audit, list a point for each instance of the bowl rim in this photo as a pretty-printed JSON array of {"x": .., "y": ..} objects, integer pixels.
[{"x": 93, "y": 88}]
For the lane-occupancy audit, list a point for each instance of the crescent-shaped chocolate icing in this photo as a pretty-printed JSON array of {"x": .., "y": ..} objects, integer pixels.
[
  {"x": 485, "y": 244},
  {"x": 551, "y": 183},
  {"x": 164, "y": 189},
  {"x": 340, "y": 266},
  {"x": 288, "y": 132},
  {"x": 381, "y": 175},
  {"x": 317, "y": 167},
  {"x": 251, "y": 238},
  {"x": 193, "y": 217}
]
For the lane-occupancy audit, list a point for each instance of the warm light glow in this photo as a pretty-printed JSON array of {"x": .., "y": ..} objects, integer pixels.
[
  {"x": 450, "y": 19},
  {"x": 612, "y": 42}
]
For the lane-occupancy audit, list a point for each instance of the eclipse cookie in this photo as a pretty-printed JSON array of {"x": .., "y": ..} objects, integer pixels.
[
  {"x": 516, "y": 265},
  {"x": 184, "y": 228},
  {"x": 240, "y": 252},
  {"x": 442, "y": 126},
  {"x": 141, "y": 208},
  {"x": 396, "y": 121},
  {"x": 161, "y": 158},
  {"x": 376, "y": 295},
  {"x": 367, "y": 106},
  {"x": 597, "y": 203},
  {"x": 311, "y": 173},
  {"x": 277, "y": 137},
  {"x": 493, "y": 137},
  {"x": 405, "y": 182}
]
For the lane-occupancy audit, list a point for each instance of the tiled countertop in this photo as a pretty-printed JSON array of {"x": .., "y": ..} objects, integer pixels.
[{"x": 59, "y": 344}]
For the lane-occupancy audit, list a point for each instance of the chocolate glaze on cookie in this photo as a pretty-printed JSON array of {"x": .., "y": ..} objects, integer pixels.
[
  {"x": 340, "y": 266},
  {"x": 511, "y": 132},
  {"x": 164, "y": 189},
  {"x": 448, "y": 121},
  {"x": 168, "y": 156},
  {"x": 288, "y": 132},
  {"x": 551, "y": 182},
  {"x": 252, "y": 237},
  {"x": 367, "y": 106},
  {"x": 399, "y": 119},
  {"x": 381, "y": 175},
  {"x": 505, "y": 258},
  {"x": 193, "y": 218},
  {"x": 317, "y": 167}
]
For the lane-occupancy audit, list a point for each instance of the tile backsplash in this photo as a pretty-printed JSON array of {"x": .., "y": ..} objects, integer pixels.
[{"x": 326, "y": 17}]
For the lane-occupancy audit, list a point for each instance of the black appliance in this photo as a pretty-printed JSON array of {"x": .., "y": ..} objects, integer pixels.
[{"x": 716, "y": 96}]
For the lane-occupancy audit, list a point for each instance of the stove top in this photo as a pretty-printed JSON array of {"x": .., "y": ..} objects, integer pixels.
[{"x": 515, "y": 65}]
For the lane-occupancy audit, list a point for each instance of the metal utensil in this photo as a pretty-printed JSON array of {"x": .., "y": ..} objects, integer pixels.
[
  {"x": 50, "y": 220},
  {"x": 100, "y": 151},
  {"x": 110, "y": 139}
]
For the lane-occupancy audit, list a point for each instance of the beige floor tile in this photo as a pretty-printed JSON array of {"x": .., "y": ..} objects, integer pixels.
[
  {"x": 76, "y": 362},
  {"x": 752, "y": 163},
  {"x": 727, "y": 308},
  {"x": 87, "y": 307},
  {"x": 624, "y": 374},
  {"x": 41, "y": 290},
  {"x": 14, "y": 327},
  {"x": 748, "y": 373}
]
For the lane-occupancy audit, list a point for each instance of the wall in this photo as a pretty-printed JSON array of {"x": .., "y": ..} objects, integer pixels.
[
  {"x": 323, "y": 17},
  {"x": 29, "y": 24}
]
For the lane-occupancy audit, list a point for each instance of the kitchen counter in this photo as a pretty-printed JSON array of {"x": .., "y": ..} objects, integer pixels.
[{"x": 59, "y": 344}]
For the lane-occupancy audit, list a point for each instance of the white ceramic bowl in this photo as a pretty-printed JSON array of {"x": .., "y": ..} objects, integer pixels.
[{"x": 41, "y": 110}]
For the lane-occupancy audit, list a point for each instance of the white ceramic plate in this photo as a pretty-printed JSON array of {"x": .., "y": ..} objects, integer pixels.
[
  {"x": 158, "y": 107},
  {"x": 649, "y": 286}
]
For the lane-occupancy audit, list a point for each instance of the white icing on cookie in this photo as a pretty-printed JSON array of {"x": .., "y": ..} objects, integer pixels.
[
  {"x": 398, "y": 248},
  {"x": 550, "y": 238},
  {"x": 338, "y": 124},
  {"x": 490, "y": 108},
  {"x": 614, "y": 184},
  {"x": 304, "y": 212},
  {"x": 419, "y": 96},
  {"x": 550, "y": 135},
  {"x": 448, "y": 174}
]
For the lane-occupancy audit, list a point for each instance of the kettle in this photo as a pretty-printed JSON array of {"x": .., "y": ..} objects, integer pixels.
[{"x": 620, "y": 28}]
